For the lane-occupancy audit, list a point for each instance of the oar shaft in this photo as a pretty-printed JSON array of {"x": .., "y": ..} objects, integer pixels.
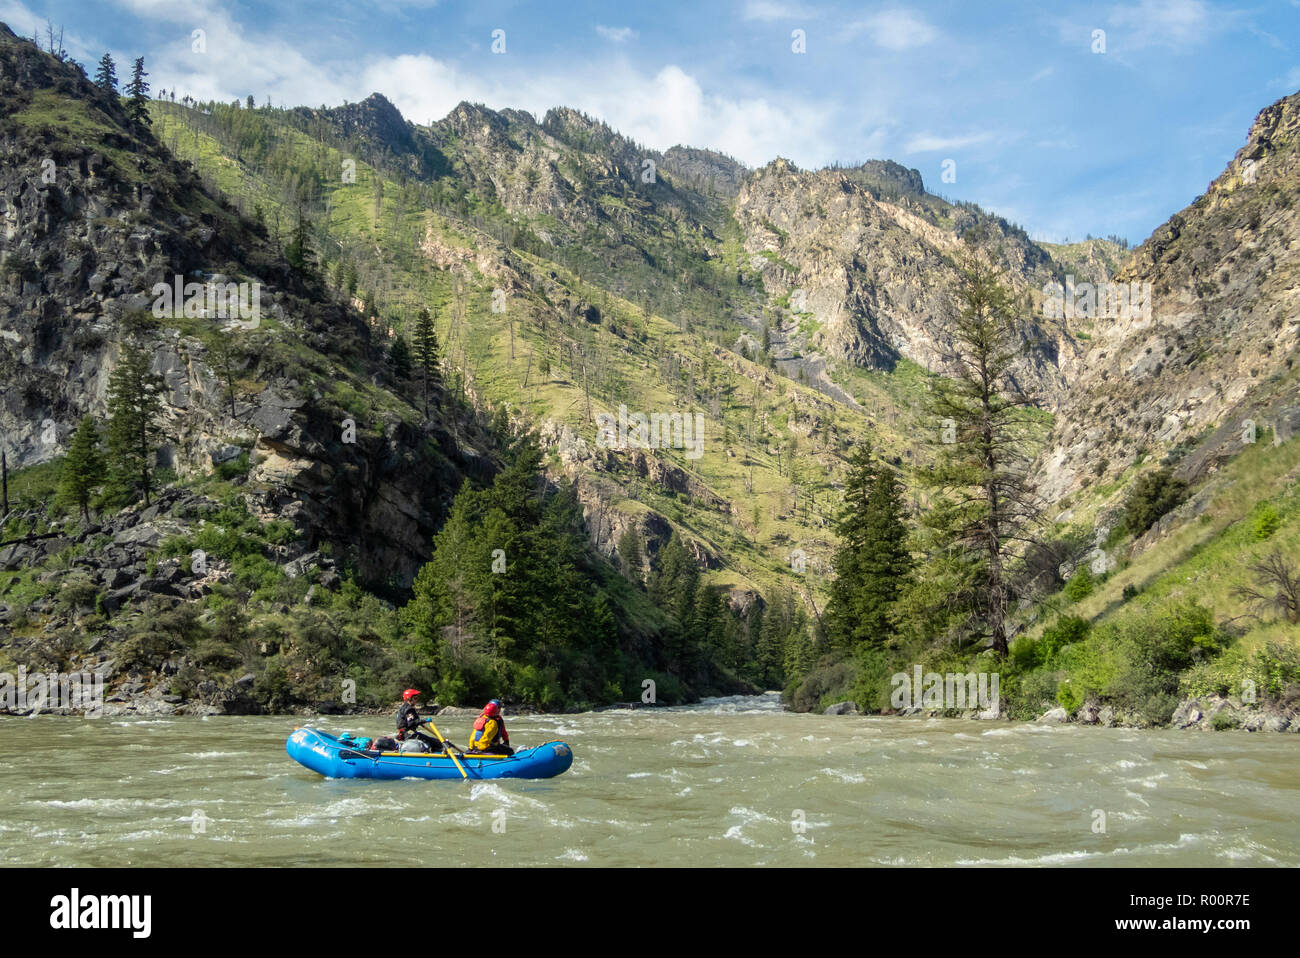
[{"x": 447, "y": 747}]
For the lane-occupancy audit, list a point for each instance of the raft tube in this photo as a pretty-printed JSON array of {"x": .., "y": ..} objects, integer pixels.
[{"x": 324, "y": 753}]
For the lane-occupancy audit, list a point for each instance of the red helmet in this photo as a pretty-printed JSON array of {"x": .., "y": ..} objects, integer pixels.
[
  {"x": 410, "y": 694},
  {"x": 492, "y": 708}
]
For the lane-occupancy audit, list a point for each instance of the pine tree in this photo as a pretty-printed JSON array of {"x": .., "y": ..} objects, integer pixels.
[
  {"x": 299, "y": 252},
  {"x": 106, "y": 75},
  {"x": 84, "y": 470},
  {"x": 225, "y": 363},
  {"x": 629, "y": 554},
  {"x": 426, "y": 354},
  {"x": 137, "y": 92},
  {"x": 873, "y": 562},
  {"x": 986, "y": 506},
  {"x": 399, "y": 357},
  {"x": 134, "y": 407}
]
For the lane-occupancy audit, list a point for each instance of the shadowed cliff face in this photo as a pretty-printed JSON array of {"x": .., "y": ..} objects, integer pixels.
[{"x": 94, "y": 214}]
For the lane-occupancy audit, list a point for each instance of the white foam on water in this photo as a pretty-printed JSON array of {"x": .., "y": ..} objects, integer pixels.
[
  {"x": 849, "y": 778},
  {"x": 571, "y": 855},
  {"x": 737, "y": 832},
  {"x": 117, "y": 803},
  {"x": 492, "y": 792},
  {"x": 640, "y": 774},
  {"x": 1052, "y": 858}
]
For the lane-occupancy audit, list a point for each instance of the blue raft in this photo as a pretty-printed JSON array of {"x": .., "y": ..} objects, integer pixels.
[{"x": 324, "y": 753}]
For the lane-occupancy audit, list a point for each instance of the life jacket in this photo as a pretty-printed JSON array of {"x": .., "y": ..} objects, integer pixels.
[
  {"x": 408, "y": 720},
  {"x": 480, "y": 723}
]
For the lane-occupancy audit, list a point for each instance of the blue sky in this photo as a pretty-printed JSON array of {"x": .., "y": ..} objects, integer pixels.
[{"x": 1040, "y": 125}]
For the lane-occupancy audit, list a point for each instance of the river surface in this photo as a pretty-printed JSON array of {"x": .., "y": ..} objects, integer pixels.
[{"x": 728, "y": 782}]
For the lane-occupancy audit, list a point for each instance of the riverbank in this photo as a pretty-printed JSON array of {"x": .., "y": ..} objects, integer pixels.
[{"x": 1206, "y": 713}]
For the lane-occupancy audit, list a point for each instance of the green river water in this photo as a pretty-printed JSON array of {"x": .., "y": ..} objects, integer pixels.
[{"x": 728, "y": 782}]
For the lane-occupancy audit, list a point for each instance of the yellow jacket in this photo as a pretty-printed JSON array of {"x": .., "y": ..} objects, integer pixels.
[{"x": 487, "y": 732}]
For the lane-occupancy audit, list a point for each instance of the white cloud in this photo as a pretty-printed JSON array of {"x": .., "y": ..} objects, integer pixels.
[
  {"x": 660, "y": 110},
  {"x": 21, "y": 20},
  {"x": 1290, "y": 82},
  {"x": 774, "y": 10},
  {"x": 1176, "y": 24},
  {"x": 616, "y": 34},
  {"x": 929, "y": 143},
  {"x": 896, "y": 29}
]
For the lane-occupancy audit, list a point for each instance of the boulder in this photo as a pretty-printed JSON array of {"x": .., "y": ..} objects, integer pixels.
[
  {"x": 842, "y": 708},
  {"x": 1056, "y": 716},
  {"x": 1188, "y": 713}
]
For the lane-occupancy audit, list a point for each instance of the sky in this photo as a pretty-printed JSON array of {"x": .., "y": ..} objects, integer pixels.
[{"x": 1066, "y": 118}]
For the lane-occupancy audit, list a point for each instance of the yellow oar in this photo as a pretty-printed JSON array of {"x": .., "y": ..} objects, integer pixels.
[{"x": 447, "y": 747}]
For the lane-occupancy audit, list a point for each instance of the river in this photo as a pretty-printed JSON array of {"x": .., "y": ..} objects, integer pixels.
[{"x": 732, "y": 781}]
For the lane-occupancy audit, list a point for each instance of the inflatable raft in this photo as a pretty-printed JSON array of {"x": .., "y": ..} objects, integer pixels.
[{"x": 324, "y": 753}]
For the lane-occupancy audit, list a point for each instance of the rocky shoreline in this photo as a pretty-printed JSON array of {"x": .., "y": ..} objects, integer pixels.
[{"x": 1206, "y": 713}]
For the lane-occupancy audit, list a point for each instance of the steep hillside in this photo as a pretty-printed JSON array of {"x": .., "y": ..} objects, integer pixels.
[
  {"x": 298, "y": 479},
  {"x": 866, "y": 281},
  {"x": 1223, "y": 328}
]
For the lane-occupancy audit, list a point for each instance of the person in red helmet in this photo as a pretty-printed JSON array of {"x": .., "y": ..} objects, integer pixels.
[
  {"x": 490, "y": 735},
  {"x": 409, "y": 721}
]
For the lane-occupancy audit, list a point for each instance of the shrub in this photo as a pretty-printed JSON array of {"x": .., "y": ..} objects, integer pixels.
[
  {"x": 829, "y": 678},
  {"x": 1224, "y": 720},
  {"x": 1036, "y": 690},
  {"x": 272, "y": 689},
  {"x": 1081, "y": 584},
  {"x": 1066, "y": 630},
  {"x": 1153, "y": 495},
  {"x": 1266, "y": 521},
  {"x": 1069, "y": 695}
]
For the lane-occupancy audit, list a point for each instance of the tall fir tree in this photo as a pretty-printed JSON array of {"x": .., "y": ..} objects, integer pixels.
[
  {"x": 986, "y": 508},
  {"x": 134, "y": 408},
  {"x": 299, "y": 252},
  {"x": 137, "y": 92},
  {"x": 873, "y": 562},
  {"x": 425, "y": 341},
  {"x": 106, "y": 75},
  {"x": 399, "y": 358},
  {"x": 629, "y": 555},
  {"x": 84, "y": 470}
]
